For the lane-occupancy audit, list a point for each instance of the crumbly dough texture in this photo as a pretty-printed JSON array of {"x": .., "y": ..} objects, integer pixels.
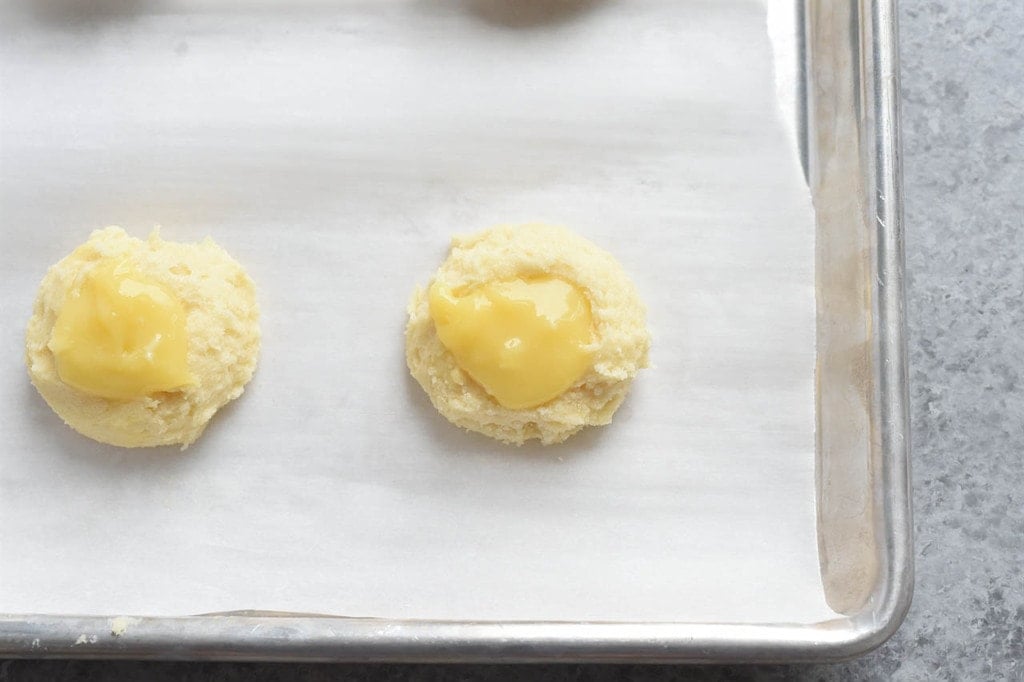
[
  {"x": 223, "y": 339},
  {"x": 505, "y": 252}
]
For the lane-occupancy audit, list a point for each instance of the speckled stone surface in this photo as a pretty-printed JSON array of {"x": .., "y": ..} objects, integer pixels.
[{"x": 963, "y": 124}]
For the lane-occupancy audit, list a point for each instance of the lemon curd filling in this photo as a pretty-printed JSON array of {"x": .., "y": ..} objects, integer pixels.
[
  {"x": 120, "y": 335},
  {"x": 525, "y": 340}
]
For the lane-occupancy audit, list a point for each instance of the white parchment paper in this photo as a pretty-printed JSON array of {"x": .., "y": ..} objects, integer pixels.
[{"x": 333, "y": 148}]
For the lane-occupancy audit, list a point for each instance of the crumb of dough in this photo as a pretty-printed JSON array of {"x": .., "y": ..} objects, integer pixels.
[
  {"x": 223, "y": 339},
  {"x": 619, "y": 351},
  {"x": 119, "y": 626}
]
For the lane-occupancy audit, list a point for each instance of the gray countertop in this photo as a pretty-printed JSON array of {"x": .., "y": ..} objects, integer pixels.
[{"x": 963, "y": 131}]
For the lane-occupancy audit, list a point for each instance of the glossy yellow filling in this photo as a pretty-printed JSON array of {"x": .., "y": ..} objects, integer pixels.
[
  {"x": 523, "y": 340},
  {"x": 121, "y": 335}
]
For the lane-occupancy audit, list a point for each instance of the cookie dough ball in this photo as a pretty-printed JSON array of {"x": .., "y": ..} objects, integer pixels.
[
  {"x": 489, "y": 271},
  {"x": 197, "y": 370}
]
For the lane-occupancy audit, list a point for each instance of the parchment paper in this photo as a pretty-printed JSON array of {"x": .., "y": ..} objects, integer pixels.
[{"x": 333, "y": 148}]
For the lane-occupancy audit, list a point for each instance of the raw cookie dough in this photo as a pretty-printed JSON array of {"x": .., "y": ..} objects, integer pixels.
[
  {"x": 223, "y": 334},
  {"x": 620, "y": 342}
]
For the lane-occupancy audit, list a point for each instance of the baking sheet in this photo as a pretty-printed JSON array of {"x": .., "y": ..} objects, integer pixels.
[{"x": 333, "y": 148}]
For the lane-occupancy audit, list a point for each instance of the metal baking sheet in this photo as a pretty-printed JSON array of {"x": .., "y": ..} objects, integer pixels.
[{"x": 739, "y": 157}]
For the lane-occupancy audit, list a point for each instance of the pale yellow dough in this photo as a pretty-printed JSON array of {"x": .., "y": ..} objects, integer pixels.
[
  {"x": 506, "y": 252},
  {"x": 223, "y": 339}
]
